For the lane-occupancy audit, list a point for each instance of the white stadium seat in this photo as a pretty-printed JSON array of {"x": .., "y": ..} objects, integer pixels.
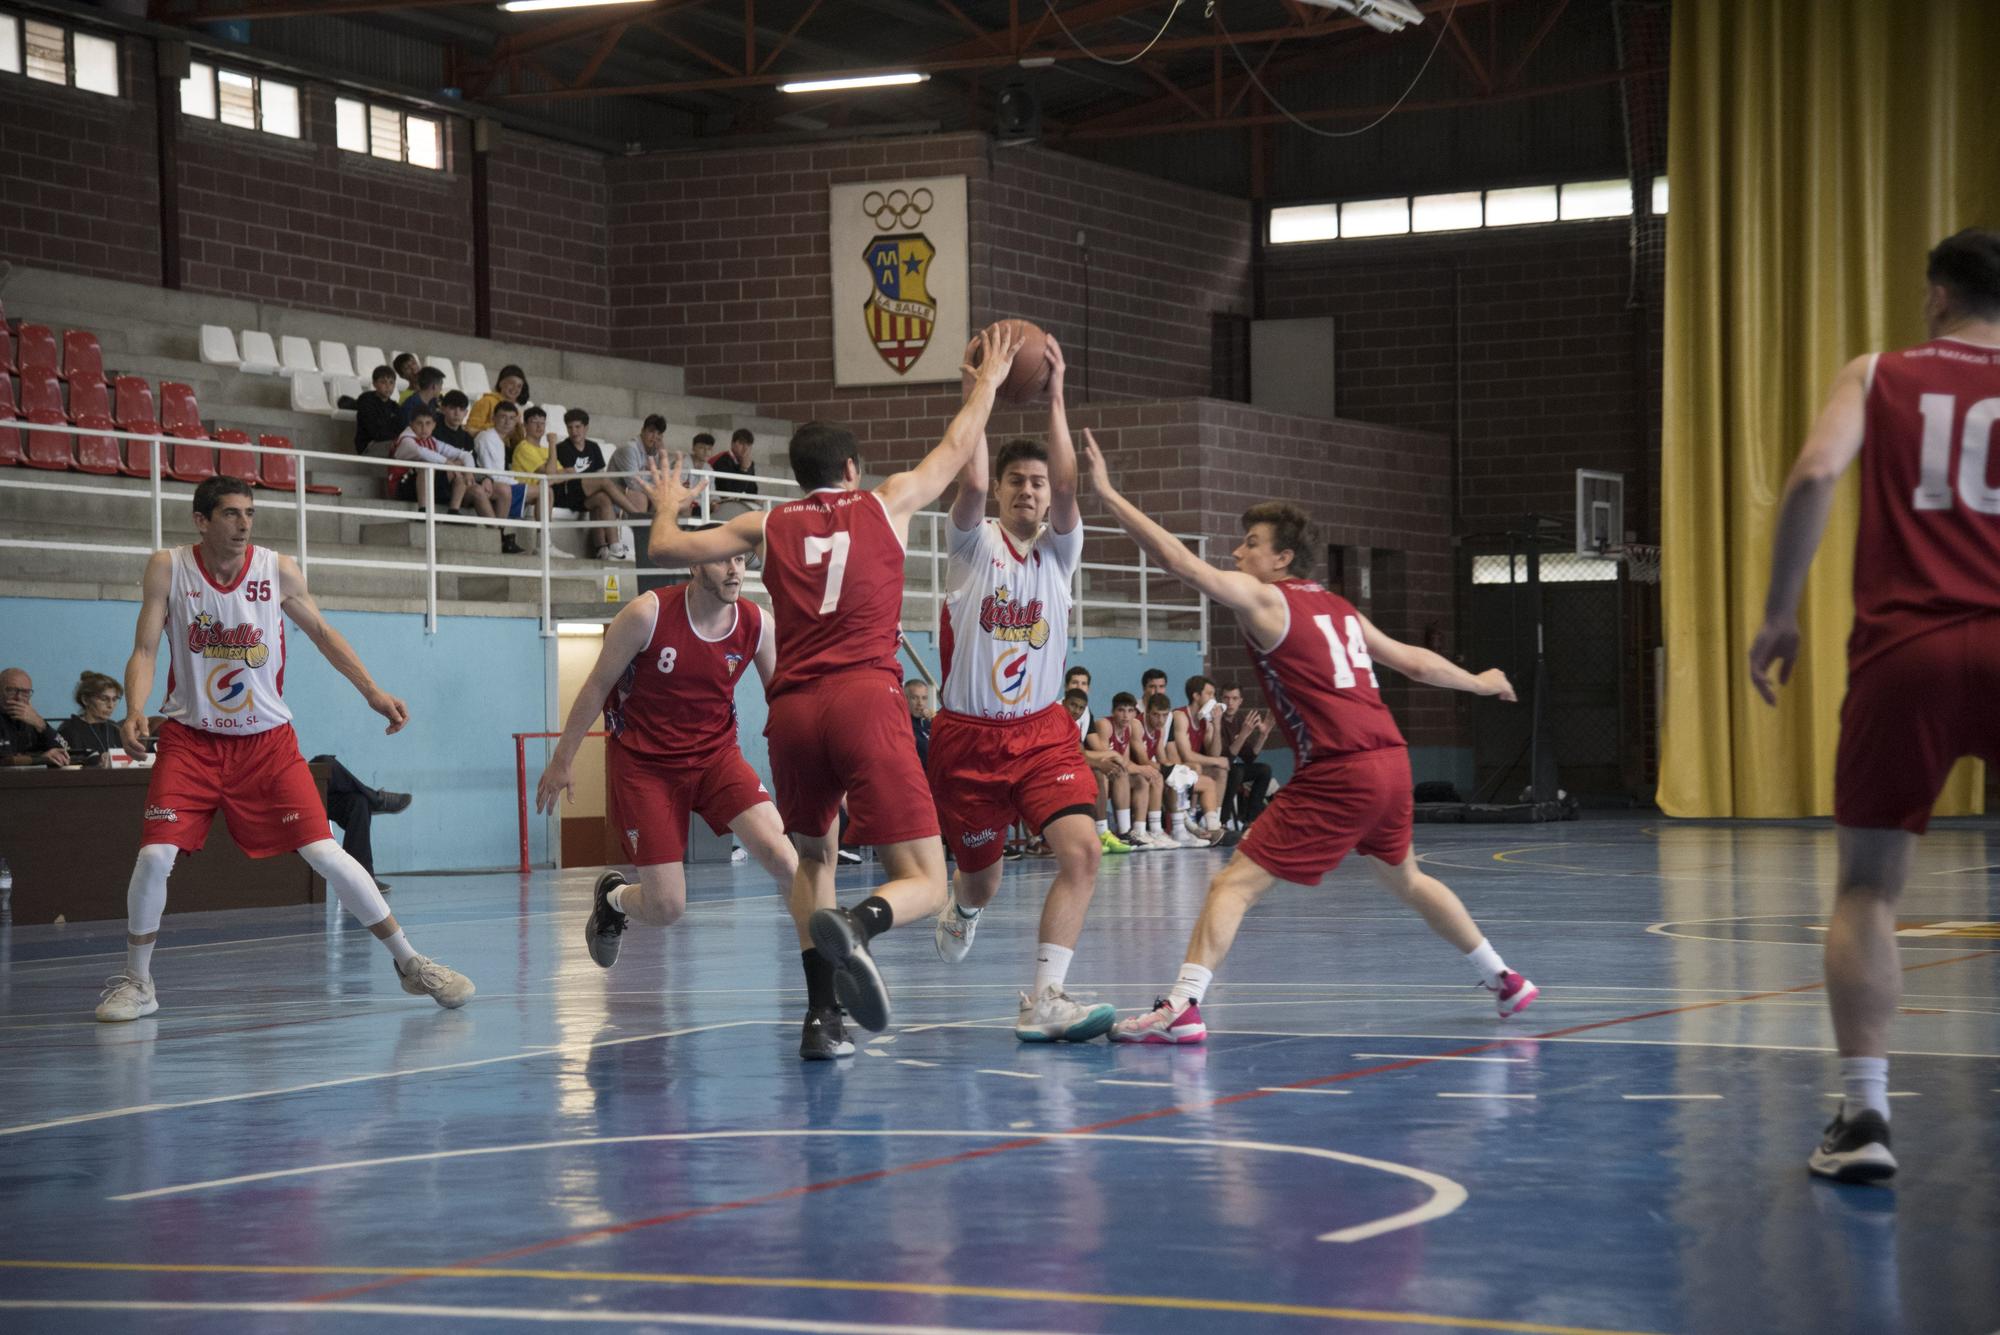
[
  {"x": 309, "y": 395},
  {"x": 334, "y": 358},
  {"x": 366, "y": 359},
  {"x": 443, "y": 364},
  {"x": 472, "y": 378},
  {"x": 343, "y": 386},
  {"x": 218, "y": 346},
  {"x": 260, "y": 354},
  {"x": 296, "y": 356}
]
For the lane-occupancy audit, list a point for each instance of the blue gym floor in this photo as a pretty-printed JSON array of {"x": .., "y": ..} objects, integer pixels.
[{"x": 292, "y": 1144}]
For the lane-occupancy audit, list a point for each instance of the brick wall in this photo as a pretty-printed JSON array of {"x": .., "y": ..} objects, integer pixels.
[
  {"x": 81, "y": 173},
  {"x": 301, "y": 223},
  {"x": 719, "y": 264},
  {"x": 1538, "y": 325},
  {"x": 547, "y": 220}
]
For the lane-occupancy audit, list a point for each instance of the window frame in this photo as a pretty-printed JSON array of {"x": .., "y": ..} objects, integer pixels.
[
  {"x": 370, "y": 111},
  {"x": 212, "y": 72},
  {"x": 16, "y": 25}
]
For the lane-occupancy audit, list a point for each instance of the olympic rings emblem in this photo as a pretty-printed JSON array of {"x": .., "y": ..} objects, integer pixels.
[{"x": 898, "y": 208}]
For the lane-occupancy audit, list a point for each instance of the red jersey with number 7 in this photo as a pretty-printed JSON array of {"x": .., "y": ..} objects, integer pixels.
[
  {"x": 1928, "y": 554},
  {"x": 1319, "y": 679},
  {"x": 833, "y": 566},
  {"x": 676, "y": 701}
]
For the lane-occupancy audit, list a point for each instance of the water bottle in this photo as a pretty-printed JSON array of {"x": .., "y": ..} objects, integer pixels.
[{"x": 6, "y": 887}]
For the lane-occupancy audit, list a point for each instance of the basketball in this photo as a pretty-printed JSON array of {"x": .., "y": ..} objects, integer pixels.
[{"x": 1028, "y": 382}]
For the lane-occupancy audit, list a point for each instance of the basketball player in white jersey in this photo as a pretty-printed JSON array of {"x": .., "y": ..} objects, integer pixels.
[
  {"x": 228, "y": 743},
  {"x": 1002, "y": 745}
]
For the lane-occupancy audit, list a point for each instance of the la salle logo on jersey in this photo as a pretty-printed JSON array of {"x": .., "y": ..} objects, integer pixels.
[
  {"x": 1004, "y": 619},
  {"x": 242, "y": 642}
]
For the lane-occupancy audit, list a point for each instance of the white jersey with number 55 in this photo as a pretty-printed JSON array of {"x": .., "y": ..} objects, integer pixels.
[
  {"x": 226, "y": 646},
  {"x": 1006, "y": 624}
]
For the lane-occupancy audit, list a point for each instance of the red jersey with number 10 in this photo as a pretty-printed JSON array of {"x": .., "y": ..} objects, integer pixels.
[
  {"x": 677, "y": 700},
  {"x": 834, "y": 569},
  {"x": 1929, "y": 548},
  {"x": 1319, "y": 680}
]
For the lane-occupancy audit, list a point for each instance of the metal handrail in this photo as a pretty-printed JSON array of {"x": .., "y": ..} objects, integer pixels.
[{"x": 162, "y": 488}]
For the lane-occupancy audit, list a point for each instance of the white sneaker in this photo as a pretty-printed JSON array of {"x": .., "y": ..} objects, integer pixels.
[
  {"x": 1158, "y": 839},
  {"x": 1053, "y": 1016},
  {"x": 607, "y": 553},
  {"x": 425, "y": 977},
  {"x": 127, "y": 998},
  {"x": 953, "y": 933},
  {"x": 1184, "y": 837},
  {"x": 739, "y": 856}
]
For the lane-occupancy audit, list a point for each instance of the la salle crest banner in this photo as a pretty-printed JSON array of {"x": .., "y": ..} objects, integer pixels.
[{"x": 902, "y": 286}]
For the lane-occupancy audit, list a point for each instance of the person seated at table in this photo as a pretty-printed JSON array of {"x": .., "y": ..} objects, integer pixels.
[
  {"x": 25, "y": 736},
  {"x": 91, "y": 734}
]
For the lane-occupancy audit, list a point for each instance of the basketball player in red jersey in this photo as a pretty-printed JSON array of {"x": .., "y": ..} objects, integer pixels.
[
  {"x": 665, "y": 682},
  {"x": 1351, "y": 791},
  {"x": 228, "y": 743},
  {"x": 839, "y": 725},
  {"x": 1924, "y": 657}
]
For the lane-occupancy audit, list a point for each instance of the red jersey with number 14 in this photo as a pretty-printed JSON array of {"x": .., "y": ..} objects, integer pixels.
[
  {"x": 834, "y": 569},
  {"x": 1319, "y": 680},
  {"x": 677, "y": 700},
  {"x": 1929, "y": 548}
]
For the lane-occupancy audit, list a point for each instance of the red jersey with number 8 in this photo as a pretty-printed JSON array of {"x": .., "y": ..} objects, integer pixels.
[
  {"x": 834, "y": 569},
  {"x": 1929, "y": 548},
  {"x": 676, "y": 701},
  {"x": 1319, "y": 679}
]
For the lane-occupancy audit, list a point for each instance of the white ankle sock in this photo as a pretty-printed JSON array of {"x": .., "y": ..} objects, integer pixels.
[
  {"x": 1865, "y": 1082},
  {"x": 1051, "y": 965},
  {"x": 615, "y": 900},
  {"x": 1124, "y": 818},
  {"x": 1153, "y": 823},
  {"x": 1213, "y": 820},
  {"x": 1192, "y": 985},
  {"x": 1486, "y": 962},
  {"x": 400, "y": 947},
  {"x": 139, "y": 959},
  {"x": 1104, "y": 827}
]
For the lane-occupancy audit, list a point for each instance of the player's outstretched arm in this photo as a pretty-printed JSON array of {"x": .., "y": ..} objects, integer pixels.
[
  {"x": 1829, "y": 451},
  {"x": 903, "y": 494},
  {"x": 1432, "y": 669},
  {"x": 968, "y": 503},
  {"x": 1064, "y": 515},
  {"x": 154, "y": 585},
  {"x": 1258, "y": 605},
  {"x": 670, "y": 544},
  {"x": 624, "y": 638},
  {"x": 305, "y": 614}
]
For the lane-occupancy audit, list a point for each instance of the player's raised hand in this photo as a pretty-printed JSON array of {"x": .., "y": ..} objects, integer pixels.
[
  {"x": 1057, "y": 366},
  {"x": 1777, "y": 643},
  {"x": 1494, "y": 682},
  {"x": 1093, "y": 463},
  {"x": 555, "y": 782},
  {"x": 133, "y": 732},
  {"x": 389, "y": 707},
  {"x": 968, "y": 365},
  {"x": 671, "y": 494},
  {"x": 1001, "y": 344}
]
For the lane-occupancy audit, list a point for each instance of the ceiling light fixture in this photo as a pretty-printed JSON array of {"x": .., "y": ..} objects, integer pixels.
[
  {"x": 531, "y": 6},
  {"x": 836, "y": 84}
]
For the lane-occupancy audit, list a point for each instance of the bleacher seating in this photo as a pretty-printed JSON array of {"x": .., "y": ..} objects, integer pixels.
[
  {"x": 8, "y": 361},
  {"x": 472, "y": 378},
  {"x": 191, "y": 460},
  {"x": 10, "y": 435},
  {"x": 295, "y": 357},
  {"x": 309, "y": 395},
  {"x": 41, "y": 401},
  {"x": 260, "y": 354},
  {"x": 132, "y": 410},
  {"x": 83, "y": 358},
  {"x": 36, "y": 349},
  {"x": 343, "y": 387},
  {"x": 235, "y": 462},
  {"x": 367, "y": 358},
  {"x": 444, "y": 364},
  {"x": 90, "y": 406},
  {"x": 218, "y": 346},
  {"x": 334, "y": 359},
  {"x": 282, "y": 470}
]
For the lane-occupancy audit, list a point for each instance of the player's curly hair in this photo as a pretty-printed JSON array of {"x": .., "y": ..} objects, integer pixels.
[
  {"x": 819, "y": 454},
  {"x": 1291, "y": 531}
]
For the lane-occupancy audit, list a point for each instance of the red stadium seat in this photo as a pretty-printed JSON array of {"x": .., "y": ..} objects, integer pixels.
[
  {"x": 90, "y": 406},
  {"x": 10, "y": 435},
  {"x": 181, "y": 419},
  {"x": 235, "y": 463},
  {"x": 41, "y": 401},
  {"x": 133, "y": 411},
  {"x": 37, "y": 349},
  {"x": 282, "y": 470},
  {"x": 8, "y": 361},
  {"x": 83, "y": 358}
]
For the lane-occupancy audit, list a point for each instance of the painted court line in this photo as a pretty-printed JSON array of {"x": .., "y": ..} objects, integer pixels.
[
  {"x": 1894, "y": 1094},
  {"x": 1140, "y": 1084},
  {"x": 1670, "y": 1098},
  {"x": 1475, "y": 1094},
  {"x": 912, "y": 1061},
  {"x": 1280, "y": 1089},
  {"x": 1012, "y": 1075},
  {"x": 1143, "y": 1301},
  {"x": 1426, "y": 1057}
]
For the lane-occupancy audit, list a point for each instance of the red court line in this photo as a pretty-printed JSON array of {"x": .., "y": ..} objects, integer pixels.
[{"x": 1026, "y": 1142}]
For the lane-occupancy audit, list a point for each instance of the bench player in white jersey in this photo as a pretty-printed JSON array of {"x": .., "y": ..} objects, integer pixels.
[
  {"x": 228, "y": 743},
  {"x": 1002, "y": 745}
]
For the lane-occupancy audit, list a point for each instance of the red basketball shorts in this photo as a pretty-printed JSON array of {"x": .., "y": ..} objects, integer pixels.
[
  {"x": 1911, "y": 711},
  {"x": 985, "y": 772},
  {"x": 849, "y": 735},
  {"x": 1357, "y": 803},
  {"x": 648, "y": 801},
  {"x": 260, "y": 782}
]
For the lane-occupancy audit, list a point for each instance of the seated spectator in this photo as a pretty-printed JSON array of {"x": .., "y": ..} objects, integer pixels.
[
  {"x": 91, "y": 735},
  {"x": 489, "y": 449},
  {"x": 1113, "y": 790},
  {"x": 453, "y": 486},
  {"x": 1078, "y": 679},
  {"x": 1199, "y": 739},
  {"x": 576, "y": 458},
  {"x": 377, "y": 418},
  {"x": 1119, "y": 733},
  {"x": 353, "y": 806},
  {"x": 511, "y": 387},
  {"x": 636, "y": 456},
  {"x": 1152, "y": 682},
  {"x": 452, "y": 408},
  {"x": 25, "y": 736},
  {"x": 1243, "y": 735},
  {"x": 735, "y": 460},
  {"x": 528, "y": 449},
  {"x": 1166, "y": 749},
  {"x": 407, "y": 368},
  {"x": 430, "y": 387},
  {"x": 918, "y": 693}
]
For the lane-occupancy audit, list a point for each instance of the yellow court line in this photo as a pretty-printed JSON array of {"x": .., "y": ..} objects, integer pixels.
[{"x": 1140, "y": 1300}]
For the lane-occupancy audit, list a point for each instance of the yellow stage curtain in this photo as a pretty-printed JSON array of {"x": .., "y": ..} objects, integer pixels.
[{"x": 1818, "y": 149}]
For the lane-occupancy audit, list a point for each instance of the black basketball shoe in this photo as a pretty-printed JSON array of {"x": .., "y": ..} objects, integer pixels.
[
  {"x": 824, "y": 1037},
  {"x": 857, "y": 984},
  {"x": 606, "y": 924},
  {"x": 1856, "y": 1149}
]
